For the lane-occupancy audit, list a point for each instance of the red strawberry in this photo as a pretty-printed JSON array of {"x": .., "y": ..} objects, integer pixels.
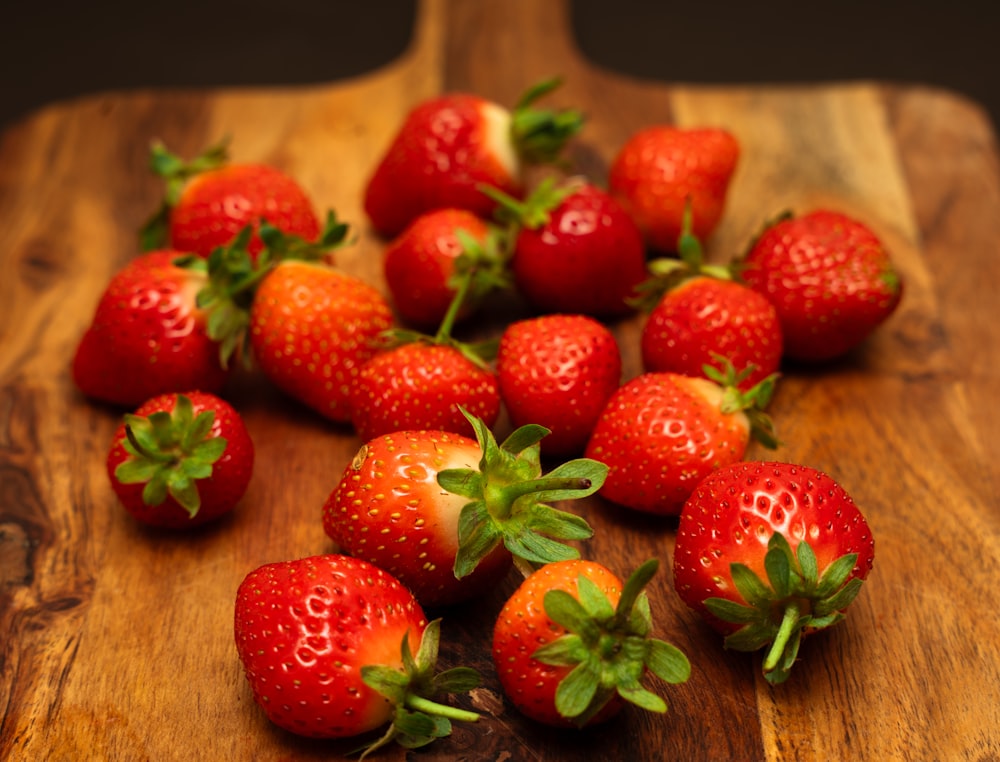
[
  {"x": 558, "y": 371},
  {"x": 572, "y": 644},
  {"x": 574, "y": 249},
  {"x": 768, "y": 553},
  {"x": 830, "y": 279},
  {"x": 700, "y": 313},
  {"x": 312, "y": 327},
  {"x": 444, "y": 513},
  {"x": 208, "y": 201},
  {"x": 662, "y": 433},
  {"x": 148, "y": 335},
  {"x": 662, "y": 168},
  {"x": 450, "y": 145},
  {"x": 181, "y": 460},
  {"x": 421, "y": 385},
  {"x": 423, "y": 263},
  {"x": 325, "y": 643}
]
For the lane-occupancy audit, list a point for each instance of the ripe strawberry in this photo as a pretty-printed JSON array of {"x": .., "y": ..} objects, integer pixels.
[
  {"x": 830, "y": 279},
  {"x": 445, "y": 513},
  {"x": 662, "y": 168},
  {"x": 572, "y": 644},
  {"x": 768, "y": 553},
  {"x": 423, "y": 263},
  {"x": 699, "y": 312},
  {"x": 149, "y": 336},
  {"x": 320, "y": 640},
  {"x": 574, "y": 249},
  {"x": 421, "y": 385},
  {"x": 311, "y": 328},
  {"x": 558, "y": 371},
  {"x": 181, "y": 460},
  {"x": 450, "y": 145},
  {"x": 208, "y": 201},
  {"x": 662, "y": 433}
]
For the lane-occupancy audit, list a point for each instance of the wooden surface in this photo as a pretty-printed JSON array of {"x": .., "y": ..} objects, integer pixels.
[{"x": 116, "y": 642}]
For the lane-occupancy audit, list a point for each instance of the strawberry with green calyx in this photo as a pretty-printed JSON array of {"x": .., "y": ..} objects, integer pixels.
[
  {"x": 663, "y": 169},
  {"x": 661, "y": 433},
  {"x": 326, "y": 646},
  {"x": 448, "y": 515},
  {"x": 422, "y": 382},
  {"x": 572, "y": 645},
  {"x": 769, "y": 553},
  {"x": 207, "y": 201},
  {"x": 424, "y": 265},
  {"x": 573, "y": 248},
  {"x": 181, "y": 460},
  {"x": 450, "y": 145},
  {"x": 698, "y": 311}
]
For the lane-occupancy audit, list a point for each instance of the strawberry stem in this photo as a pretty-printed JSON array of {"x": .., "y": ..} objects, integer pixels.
[
  {"x": 421, "y": 704},
  {"x": 789, "y": 625}
]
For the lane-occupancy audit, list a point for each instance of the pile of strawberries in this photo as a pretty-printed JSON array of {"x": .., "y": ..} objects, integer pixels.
[{"x": 240, "y": 271}]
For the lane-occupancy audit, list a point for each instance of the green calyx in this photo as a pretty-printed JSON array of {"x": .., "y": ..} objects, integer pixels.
[
  {"x": 795, "y": 599},
  {"x": 608, "y": 647},
  {"x": 419, "y": 719},
  {"x": 170, "y": 452},
  {"x": 175, "y": 172},
  {"x": 539, "y": 135},
  {"x": 234, "y": 275},
  {"x": 751, "y": 402},
  {"x": 509, "y": 498},
  {"x": 534, "y": 211},
  {"x": 667, "y": 273}
]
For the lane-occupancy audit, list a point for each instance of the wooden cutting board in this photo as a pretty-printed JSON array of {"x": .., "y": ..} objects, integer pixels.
[{"x": 116, "y": 642}]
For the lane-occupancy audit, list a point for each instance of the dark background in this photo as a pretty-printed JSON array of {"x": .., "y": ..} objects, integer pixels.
[{"x": 61, "y": 49}]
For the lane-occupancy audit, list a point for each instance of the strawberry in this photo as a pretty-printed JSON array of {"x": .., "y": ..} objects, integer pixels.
[
  {"x": 662, "y": 433},
  {"x": 208, "y": 201},
  {"x": 181, "y": 460},
  {"x": 768, "y": 553},
  {"x": 699, "y": 312},
  {"x": 422, "y": 264},
  {"x": 450, "y": 145},
  {"x": 421, "y": 385},
  {"x": 149, "y": 335},
  {"x": 572, "y": 644},
  {"x": 311, "y": 328},
  {"x": 445, "y": 513},
  {"x": 830, "y": 279},
  {"x": 574, "y": 249},
  {"x": 325, "y": 643},
  {"x": 662, "y": 168},
  {"x": 558, "y": 371}
]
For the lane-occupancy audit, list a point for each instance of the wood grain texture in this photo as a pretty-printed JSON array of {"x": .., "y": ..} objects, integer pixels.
[{"x": 116, "y": 642}]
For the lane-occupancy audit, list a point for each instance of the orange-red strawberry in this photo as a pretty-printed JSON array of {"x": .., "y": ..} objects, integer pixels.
[
  {"x": 699, "y": 313},
  {"x": 149, "y": 336},
  {"x": 421, "y": 385},
  {"x": 181, "y": 460},
  {"x": 312, "y": 327},
  {"x": 558, "y": 371},
  {"x": 662, "y": 168},
  {"x": 662, "y": 433},
  {"x": 574, "y": 249},
  {"x": 830, "y": 278},
  {"x": 423, "y": 263},
  {"x": 572, "y": 645},
  {"x": 446, "y": 514},
  {"x": 208, "y": 201},
  {"x": 768, "y": 553},
  {"x": 450, "y": 145},
  {"x": 329, "y": 645}
]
